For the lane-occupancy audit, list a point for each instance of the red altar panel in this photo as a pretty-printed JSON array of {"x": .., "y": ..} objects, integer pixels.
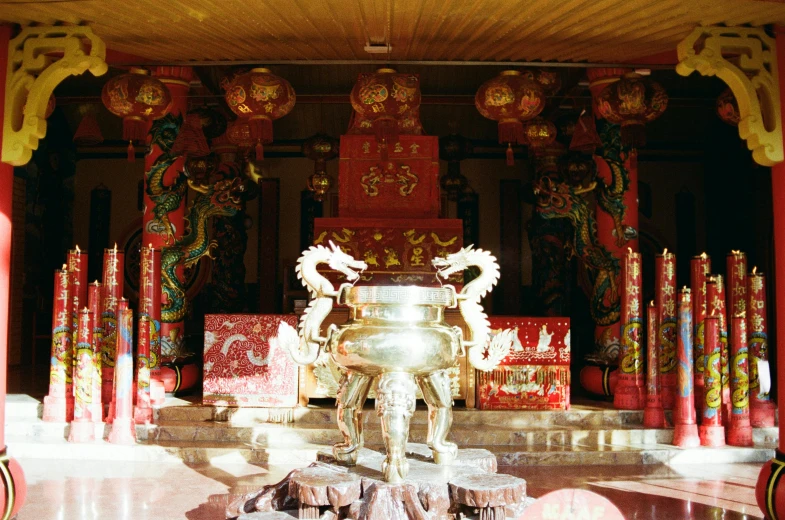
[
  {"x": 536, "y": 374},
  {"x": 241, "y": 368},
  {"x": 406, "y": 186},
  {"x": 397, "y": 251}
]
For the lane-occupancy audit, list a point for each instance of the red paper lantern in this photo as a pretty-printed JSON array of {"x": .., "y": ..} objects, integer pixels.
[
  {"x": 728, "y": 108},
  {"x": 539, "y": 133},
  {"x": 190, "y": 140},
  {"x": 387, "y": 100},
  {"x": 319, "y": 184},
  {"x": 510, "y": 98},
  {"x": 548, "y": 80},
  {"x": 631, "y": 102},
  {"x": 260, "y": 97},
  {"x": 138, "y": 99}
]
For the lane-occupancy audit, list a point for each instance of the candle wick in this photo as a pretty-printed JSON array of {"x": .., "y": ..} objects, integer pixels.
[{"x": 665, "y": 251}]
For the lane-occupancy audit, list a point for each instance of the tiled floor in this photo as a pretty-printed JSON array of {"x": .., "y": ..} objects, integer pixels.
[{"x": 92, "y": 490}]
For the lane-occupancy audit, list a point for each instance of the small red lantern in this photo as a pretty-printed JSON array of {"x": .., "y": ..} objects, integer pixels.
[
  {"x": 539, "y": 133},
  {"x": 585, "y": 137},
  {"x": 386, "y": 99},
  {"x": 548, "y": 80},
  {"x": 260, "y": 97},
  {"x": 631, "y": 102},
  {"x": 138, "y": 99},
  {"x": 728, "y": 108},
  {"x": 239, "y": 134},
  {"x": 510, "y": 98},
  {"x": 190, "y": 140},
  {"x": 320, "y": 148},
  {"x": 88, "y": 133},
  {"x": 453, "y": 149}
]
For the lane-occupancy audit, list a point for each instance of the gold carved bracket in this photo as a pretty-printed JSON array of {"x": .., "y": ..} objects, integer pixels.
[
  {"x": 745, "y": 59},
  {"x": 39, "y": 58}
]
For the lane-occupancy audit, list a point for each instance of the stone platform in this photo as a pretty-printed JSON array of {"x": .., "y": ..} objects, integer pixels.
[
  {"x": 587, "y": 434},
  {"x": 469, "y": 488}
]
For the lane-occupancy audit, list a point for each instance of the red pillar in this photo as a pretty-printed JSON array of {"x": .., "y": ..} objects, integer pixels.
[
  {"x": 17, "y": 486},
  {"x": 177, "y": 80},
  {"x": 770, "y": 490}
]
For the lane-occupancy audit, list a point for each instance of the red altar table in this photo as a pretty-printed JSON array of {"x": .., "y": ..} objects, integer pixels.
[
  {"x": 241, "y": 368},
  {"x": 536, "y": 374}
]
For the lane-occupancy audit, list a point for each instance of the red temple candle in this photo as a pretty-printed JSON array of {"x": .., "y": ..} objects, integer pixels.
[
  {"x": 700, "y": 267},
  {"x": 82, "y": 427},
  {"x": 628, "y": 394},
  {"x": 739, "y": 429},
  {"x": 59, "y": 403},
  {"x": 123, "y": 431},
  {"x": 711, "y": 430},
  {"x": 113, "y": 290},
  {"x": 77, "y": 265},
  {"x": 150, "y": 301},
  {"x": 761, "y": 406},
  {"x": 143, "y": 412},
  {"x": 736, "y": 279},
  {"x": 685, "y": 433},
  {"x": 665, "y": 300},
  {"x": 715, "y": 294},
  {"x": 95, "y": 302},
  {"x": 653, "y": 414}
]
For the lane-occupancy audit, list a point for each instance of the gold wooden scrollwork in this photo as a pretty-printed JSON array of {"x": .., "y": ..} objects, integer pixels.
[
  {"x": 745, "y": 59},
  {"x": 39, "y": 58}
]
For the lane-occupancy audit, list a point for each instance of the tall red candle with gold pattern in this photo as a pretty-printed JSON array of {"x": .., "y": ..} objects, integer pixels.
[
  {"x": 653, "y": 414},
  {"x": 711, "y": 431},
  {"x": 77, "y": 264},
  {"x": 59, "y": 403},
  {"x": 761, "y": 406},
  {"x": 123, "y": 430},
  {"x": 736, "y": 280},
  {"x": 143, "y": 412},
  {"x": 150, "y": 307},
  {"x": 114, "y": 264},
  {"x": 629, "y": 390},
  {"x": 665, "y": 300},
  {"x": 700, "y": 267},
  {"x": 95, "y": 303},
  {"x": 685, "y": 434},
  {"x": 739, "y": 431},
  {"x": 715, "y": 294},
  {"x": 82, "y": 427}
]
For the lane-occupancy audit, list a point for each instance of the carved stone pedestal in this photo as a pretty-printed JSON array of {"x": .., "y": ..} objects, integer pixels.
[{"x": 468, "y": 488}]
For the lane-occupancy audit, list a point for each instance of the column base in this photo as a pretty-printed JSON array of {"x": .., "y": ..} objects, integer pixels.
[
  {"x": 143, "y": 415},
  {"x": 770, "y": 488},
  {"x": 739, "y": 435},
  {"x": 686, "y": 436},
  {"x": 123, "y": 431},
  {"x": 628, "y": 397},
  {"x": 82, "y": 431},
  {"x": 654, "y": 417},
  {"x": 762, "y": 413},
  {"x": 58, "y": 409},
  {"x": 712, "y": 436},
  {"x": 157, "y": 392},
  {"x": 16, "y": 488}
]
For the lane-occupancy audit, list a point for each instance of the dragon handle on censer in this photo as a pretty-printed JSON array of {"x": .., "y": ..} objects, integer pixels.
[{"x": 398, "y": 335}]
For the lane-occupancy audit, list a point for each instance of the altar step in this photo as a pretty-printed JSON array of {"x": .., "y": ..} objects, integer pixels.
[{"x": 194, "y": 434}]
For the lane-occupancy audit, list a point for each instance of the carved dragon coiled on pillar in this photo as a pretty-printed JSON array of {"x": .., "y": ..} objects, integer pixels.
[
  {"x": 222, "y": 198},
  {"x": 560, "y": 200},
  {"x": 610, "y": 196},
  {"x": 166, "y": 198},
  {"x": 398, "y": 335}
]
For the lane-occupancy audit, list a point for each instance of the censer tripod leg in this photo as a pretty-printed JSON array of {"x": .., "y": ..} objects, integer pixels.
[
  {"x": 437, "y": 393},
  {"x": 351, "y": 397},
  {"x": 395, "y": 398}
]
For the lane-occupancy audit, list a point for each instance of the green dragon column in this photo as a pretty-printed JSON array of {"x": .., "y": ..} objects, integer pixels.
[{"x": 164, "y": 203}]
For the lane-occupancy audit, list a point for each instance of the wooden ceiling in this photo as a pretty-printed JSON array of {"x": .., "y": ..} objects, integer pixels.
[{"x": 597, "y": 31}]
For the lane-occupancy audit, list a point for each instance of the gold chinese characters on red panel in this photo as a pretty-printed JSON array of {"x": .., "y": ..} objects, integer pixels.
[
  {"x": 407, "y": 184},
  {"x": 397, "y": 251},
  {"x": 536, "y": 374}
]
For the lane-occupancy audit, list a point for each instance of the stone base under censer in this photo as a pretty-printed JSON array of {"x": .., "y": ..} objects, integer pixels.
[{"x": 469, "y": 488}]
